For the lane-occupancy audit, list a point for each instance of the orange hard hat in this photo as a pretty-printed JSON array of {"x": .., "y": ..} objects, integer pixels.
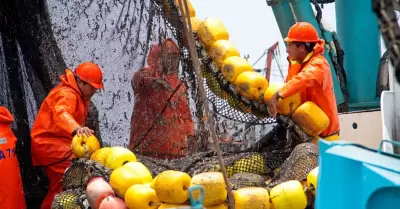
[
  {"x": 91, "y": 73},
  {"x": 302, "y": 32}
]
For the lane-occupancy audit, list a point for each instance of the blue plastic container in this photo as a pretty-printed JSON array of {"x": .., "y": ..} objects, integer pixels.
[{"x": 355, "y": 177}]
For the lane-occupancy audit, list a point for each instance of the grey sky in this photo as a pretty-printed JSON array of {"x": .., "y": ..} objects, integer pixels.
[{"x": 252, "y": 27}]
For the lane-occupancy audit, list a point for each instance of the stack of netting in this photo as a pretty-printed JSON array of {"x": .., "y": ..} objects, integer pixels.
[
  {"x": 281, "y": 156},
  {"x": 233, "y": 88},
  {"x": 285, "y": 172},
  {"x": 74, "y": 182},
  {"x": 224, "y": 98},
  {"x": 281, "y": 161}
]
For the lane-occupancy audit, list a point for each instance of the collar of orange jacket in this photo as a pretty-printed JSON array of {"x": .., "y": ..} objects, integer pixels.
[
  {"x": 68, "y": 79},
  {"x": 5, "y": 115},
  {"x": 318, "y": 49}
]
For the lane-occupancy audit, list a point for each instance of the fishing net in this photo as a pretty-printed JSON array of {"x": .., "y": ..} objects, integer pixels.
[
  {"x": 226, "y": 101},
  {"x": 74, "y": 182},
  {"x": 70, "y": 199},
  {"x": 272, "y": 161},
  {"x": 81, "y": 172},
  {"x": 298, "y": 165},
  {"x": 241, "y": 180},
  {"x": 119, "y": 36}
]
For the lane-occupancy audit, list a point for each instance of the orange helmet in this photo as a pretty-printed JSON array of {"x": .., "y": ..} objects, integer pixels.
[
  {"x": 302, "y": 32},
  {"x": 91, "y": 73}
]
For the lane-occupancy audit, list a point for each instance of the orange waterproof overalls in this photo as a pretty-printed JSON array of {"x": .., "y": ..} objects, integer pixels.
[
  {"x": 313, "y": 80},
  {"x": 62, "y": 111},
  {"x": 11, "y": 191},
  {"x": 167, "y": 139}
]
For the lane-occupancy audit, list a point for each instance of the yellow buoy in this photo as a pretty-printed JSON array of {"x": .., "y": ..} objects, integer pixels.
[
  {"x": 251, "y": 197},
  {"x": 214, "y": 187},
  {"x": 222, "y": 49},
  {"x": 174, "y": 206},
  {"x": 233, "y": 66},
  {"x": 251, "y": 85},
  {"x": 195, "y": 23},
  {"x": 101, "y": 154},
  {"x": 220, "y": 206},
  {"x": 153, "y": 183},
  {"x": 311, "y": 119},
  {"x": 141, "y": 197},
  {"x": 210, "y": 31},
  {"x": 312, "y": 179},
  {"x": 288, "y": 195},
  {"x": 192, "y": 12},
  {"x": 130, "y": 174},
  {"x": 118, "y": 157},
  {"x": 283, "y": 106},
  {"x": 84, "y": 144},
  {"x": 172, "y": 186}
]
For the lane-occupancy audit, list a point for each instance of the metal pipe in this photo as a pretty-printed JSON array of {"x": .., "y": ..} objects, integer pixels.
[
  {"x": 282, "y": 11},
  {"x": 305, "y": 13},
  {"x": 358, "y": 33}
]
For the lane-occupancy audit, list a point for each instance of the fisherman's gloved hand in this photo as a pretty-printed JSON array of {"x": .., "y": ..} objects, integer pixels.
[{"x": 81, "y": 131}]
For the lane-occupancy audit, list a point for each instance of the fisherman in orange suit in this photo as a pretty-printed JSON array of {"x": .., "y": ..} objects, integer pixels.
[
  {"x": 309, "y": 74},
  {"x": 63, "y": 114},
  {"x": 153, "y": 86},
  {"x": 11, "y": 191}
]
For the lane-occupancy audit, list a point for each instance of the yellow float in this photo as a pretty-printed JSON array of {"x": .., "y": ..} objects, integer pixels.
[{"x": 311, "y": 119}]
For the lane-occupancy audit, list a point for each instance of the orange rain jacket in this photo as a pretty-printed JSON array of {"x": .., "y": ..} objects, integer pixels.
[
  {"x": 167, "y": 139},
  {"x": 313, "y": 80},
  {"x": 11, "y": 191},
  {"x": 62, "y": 111}
]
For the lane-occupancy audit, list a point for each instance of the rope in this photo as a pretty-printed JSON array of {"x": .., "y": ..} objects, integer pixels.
[
  {"x": 196, "y": 64},
  {"x": 338, "y": 66},
  {"x": 294, "y": 15}
]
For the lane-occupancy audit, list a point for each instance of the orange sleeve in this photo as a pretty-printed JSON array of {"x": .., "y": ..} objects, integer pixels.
[
  {"x": 64, "y": 107},
  {"x": 311, "y": 75}
]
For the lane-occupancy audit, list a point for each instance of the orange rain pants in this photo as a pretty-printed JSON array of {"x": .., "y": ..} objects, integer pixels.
[{"x": 11, "y": 190}]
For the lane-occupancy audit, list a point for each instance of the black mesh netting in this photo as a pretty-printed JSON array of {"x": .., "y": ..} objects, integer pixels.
[
  {"x": 81, "y": 172},
  {"x": 40, "y": 39},
  {"x": 70, "y": 199},
  {"x": 260, "y": 169},
  {"x": 228, "y": 103}
]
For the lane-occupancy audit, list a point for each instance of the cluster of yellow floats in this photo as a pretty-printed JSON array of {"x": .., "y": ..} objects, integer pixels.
[
  {"x": 131, "y": 185},
  {"x": 214, "y": 38}
]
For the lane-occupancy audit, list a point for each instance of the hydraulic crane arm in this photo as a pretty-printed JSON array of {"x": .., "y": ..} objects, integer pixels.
[{"x": 270, "y": 55}]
